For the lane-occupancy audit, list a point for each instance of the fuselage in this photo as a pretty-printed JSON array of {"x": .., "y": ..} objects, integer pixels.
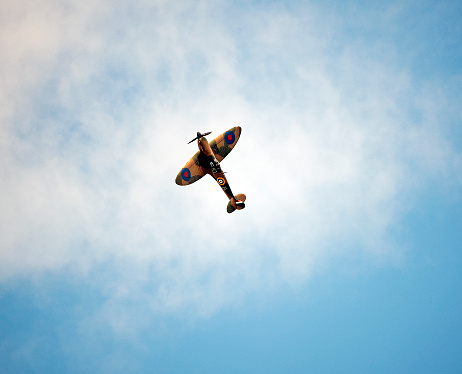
[{"x": 211, "y": 165}]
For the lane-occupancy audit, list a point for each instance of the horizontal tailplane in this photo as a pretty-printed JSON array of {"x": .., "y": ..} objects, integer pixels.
[{"x": 236, "y": 202}]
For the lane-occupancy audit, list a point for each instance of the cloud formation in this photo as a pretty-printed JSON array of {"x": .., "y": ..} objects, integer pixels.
[{"x": 99, "y": 99}]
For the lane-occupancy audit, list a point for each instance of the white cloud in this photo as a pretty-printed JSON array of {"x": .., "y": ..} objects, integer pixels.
[{"x": 99, "y": 107}]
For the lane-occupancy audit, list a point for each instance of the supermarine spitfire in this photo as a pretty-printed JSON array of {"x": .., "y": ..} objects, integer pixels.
[{"x": 207, "y": 161}]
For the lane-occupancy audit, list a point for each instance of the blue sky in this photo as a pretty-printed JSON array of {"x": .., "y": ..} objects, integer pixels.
[{"x": 348, "y": 255}]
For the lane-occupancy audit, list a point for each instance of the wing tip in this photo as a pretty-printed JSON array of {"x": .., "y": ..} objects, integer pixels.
[{"x": 179, "y": 179}]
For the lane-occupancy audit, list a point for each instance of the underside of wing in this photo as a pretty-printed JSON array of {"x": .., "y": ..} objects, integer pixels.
[
  {"x": 224, "y": 143},
  {"x": 191, "y": 172}
]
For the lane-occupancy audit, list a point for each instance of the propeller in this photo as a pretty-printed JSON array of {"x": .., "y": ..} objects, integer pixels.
[{"x": 199, "y": 135}]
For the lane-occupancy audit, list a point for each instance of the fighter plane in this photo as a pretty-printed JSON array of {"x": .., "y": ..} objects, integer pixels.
[{"x": 207, "y": 161}]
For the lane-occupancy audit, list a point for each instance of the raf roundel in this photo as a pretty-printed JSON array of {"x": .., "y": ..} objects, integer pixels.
[
  {"x": 229, "y": 137},
  {"x": 186, "y": 174}
]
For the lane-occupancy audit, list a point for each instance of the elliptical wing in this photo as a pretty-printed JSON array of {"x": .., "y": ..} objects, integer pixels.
[
  {"x": 224, "y": 143},
  {"x": 191, "y": 172}
]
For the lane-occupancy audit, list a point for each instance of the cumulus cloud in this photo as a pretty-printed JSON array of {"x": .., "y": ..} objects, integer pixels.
[{"x": 97, "y": 107}]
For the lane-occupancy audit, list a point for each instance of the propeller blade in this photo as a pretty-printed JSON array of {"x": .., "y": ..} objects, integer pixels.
[{"x": 199, "y": 135}]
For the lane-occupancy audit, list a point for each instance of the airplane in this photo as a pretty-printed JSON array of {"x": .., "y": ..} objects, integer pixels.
[{"x": 207, "y": 161}]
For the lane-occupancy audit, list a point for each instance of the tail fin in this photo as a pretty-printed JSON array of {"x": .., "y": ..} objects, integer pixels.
[{"x": 236, "y": 203}]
